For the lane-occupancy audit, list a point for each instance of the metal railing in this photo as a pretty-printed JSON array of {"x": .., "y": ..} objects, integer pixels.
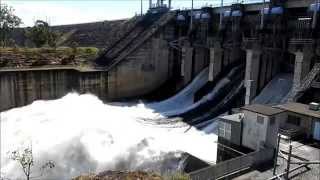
[
  {"x": 216, "y": 3},
  {"x": 316, "y": 85},
  {"x": 297, "y": 92},
  {"x": 233, "y": 165},
  {"x": 144, "y": 36},
  {"x": 294, "y": 41}
]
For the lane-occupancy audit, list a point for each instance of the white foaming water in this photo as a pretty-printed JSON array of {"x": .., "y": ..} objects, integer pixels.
[
  {"x": 185, "y": 97},
  {"x": 81, "y": 134}
]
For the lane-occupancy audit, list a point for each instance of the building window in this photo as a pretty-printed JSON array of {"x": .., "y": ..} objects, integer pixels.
[
  {"x": 225, "y": 130},
  {"x": 293, "y": 120},
  {"x": 260, "y": 119}
]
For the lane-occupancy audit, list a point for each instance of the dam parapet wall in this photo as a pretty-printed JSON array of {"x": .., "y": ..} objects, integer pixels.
[{"x": 131, "y": 78}]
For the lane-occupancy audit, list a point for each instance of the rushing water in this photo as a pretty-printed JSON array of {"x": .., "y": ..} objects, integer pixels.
[{"x": 81, "y": 134}]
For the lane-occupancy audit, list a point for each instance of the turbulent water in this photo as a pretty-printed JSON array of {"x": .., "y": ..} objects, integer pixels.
[
  {"x": 81, "y": 135},
  {"x": 184, "y": 98},
  {"x": 276, "y": 91}
]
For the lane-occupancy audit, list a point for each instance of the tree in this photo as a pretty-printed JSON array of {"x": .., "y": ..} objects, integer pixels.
[
  {"x": 26, "y": 161},
  {"x": 52, "y": 39},
  {"x": 8, "y": 21},
  {"x": 41, "y": 34}
]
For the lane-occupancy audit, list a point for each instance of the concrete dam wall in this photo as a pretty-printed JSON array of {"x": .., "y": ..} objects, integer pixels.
[
  {"x": 143, "y": 71},
  {"x": 20, "y": 88},
  {"x": 167, "y": 46}
]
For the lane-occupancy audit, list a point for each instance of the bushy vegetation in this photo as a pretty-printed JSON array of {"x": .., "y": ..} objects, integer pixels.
[
  {"x": 8, "y": 21},
  {"x": 28, "y": 57},
  {"x": 26, "y": 161},
  {"x": 41, "y": 34}
]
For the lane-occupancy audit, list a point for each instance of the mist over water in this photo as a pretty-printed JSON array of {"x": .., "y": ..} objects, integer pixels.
[{"x": 81, "y": 134}]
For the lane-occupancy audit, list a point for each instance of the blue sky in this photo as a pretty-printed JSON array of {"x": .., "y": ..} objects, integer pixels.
[{"x": 58, "y": 12}]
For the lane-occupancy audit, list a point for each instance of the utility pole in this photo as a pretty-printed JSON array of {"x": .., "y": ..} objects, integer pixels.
[
  {"x": 221, "y": 15},
  {"x": 315, "y": 12},
  {"x": 262, "y": 15},
  {"x": 150, "y": 4},
  {"x": 169, "y": 4},
  {"x": 141, "y": 6},
  {"x": 191, "y": 20}
]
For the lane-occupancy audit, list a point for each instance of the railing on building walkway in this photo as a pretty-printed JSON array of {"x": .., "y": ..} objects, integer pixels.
[
  {"x": 297, "y": 92},
  {"x": 233, "y": 165}
]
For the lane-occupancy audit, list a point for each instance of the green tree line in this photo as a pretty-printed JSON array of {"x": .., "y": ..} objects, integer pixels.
[{"x": 40, "y": 34}]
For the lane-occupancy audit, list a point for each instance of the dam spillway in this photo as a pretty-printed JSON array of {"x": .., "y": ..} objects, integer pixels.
[
  {"x": 159, "y": 53},
  {"x": 198, "y": 66}
]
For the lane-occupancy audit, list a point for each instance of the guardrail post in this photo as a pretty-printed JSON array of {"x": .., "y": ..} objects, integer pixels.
[
  {"x": 275, "y": 160},
  {"x": 288, "y": 162}
]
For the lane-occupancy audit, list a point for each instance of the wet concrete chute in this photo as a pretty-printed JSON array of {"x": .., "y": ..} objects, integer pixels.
[{"x": 207, "y": 91}]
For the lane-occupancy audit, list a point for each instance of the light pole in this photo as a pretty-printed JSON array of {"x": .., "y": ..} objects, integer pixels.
[
  {"x": 315, "y": 12},
  {"x": 191, "y": 20},
  {"x": 262, "y": 15},
  {"x": 221, "y": 14},
  {"x": 141, "y": 6}
]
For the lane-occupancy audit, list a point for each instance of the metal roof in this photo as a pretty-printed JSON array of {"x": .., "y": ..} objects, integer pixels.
[
  {"x": 299, "y": 108},
  {"x": 263, "y": 109}
]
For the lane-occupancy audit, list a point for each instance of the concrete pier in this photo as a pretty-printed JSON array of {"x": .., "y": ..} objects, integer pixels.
[
  {"x": 186, "y": 64},
  {"x": 264, "y": 65},
  {"x": 253, "y": 59},
  {"x": 215, "y": 66},
  {"x": 235, "y": 55},
  {"x": 302, "y": 65},
  {"x": 200, "y": 60}
]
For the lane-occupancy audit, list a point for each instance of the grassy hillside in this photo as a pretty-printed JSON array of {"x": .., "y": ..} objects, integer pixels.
[
  {"x": 90, "y": 38},
  {"x": 96, "y": 34}
]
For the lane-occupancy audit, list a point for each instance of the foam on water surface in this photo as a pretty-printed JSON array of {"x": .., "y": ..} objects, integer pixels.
[{"x": 82, "y": 134}]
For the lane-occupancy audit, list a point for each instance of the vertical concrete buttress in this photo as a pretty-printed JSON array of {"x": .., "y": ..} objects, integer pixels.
[
  {"x": 302, "y": 66},
  {"x": 270, "y": 58},
  {"x": 276, "y": 60},
  {"x": 215, "y": 62},
  {"x": 252, "y": 73},
  {"x": 163, "y": 61},
  {"x": 186, "y": 64},
  {"x": 200, "y": 60},
  {"x": 263, "y": 74},
  {"x": 235, "y": 54}
]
